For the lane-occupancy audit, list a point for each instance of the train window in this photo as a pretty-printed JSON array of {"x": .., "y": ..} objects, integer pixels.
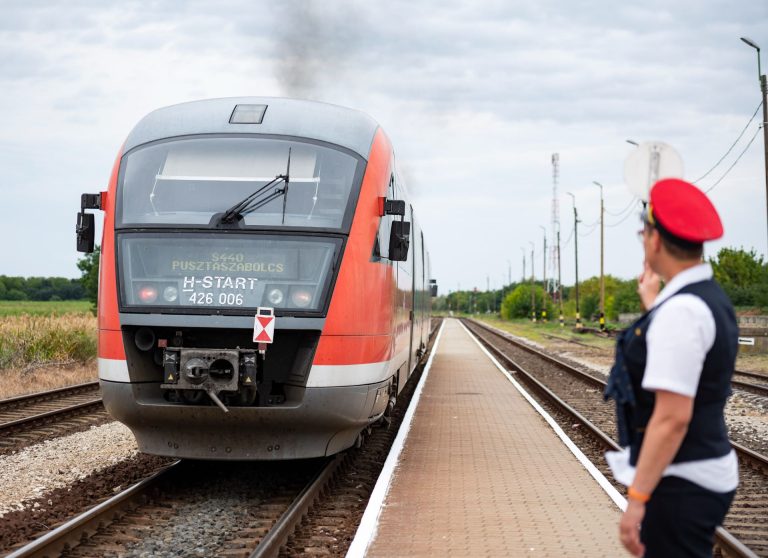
[{"x": 187, "y": 181}]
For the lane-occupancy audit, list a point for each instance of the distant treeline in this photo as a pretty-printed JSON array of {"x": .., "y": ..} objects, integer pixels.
[
  {"x": 41, "y": 288},
  {"x": 742, "y": 274}
]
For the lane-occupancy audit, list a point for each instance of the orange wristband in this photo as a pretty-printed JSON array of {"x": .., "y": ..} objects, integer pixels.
[{"x": 638, "y": 496}]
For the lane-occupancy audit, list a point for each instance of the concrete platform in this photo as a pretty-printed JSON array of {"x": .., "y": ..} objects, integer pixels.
[{"x": 482, "y": 473}]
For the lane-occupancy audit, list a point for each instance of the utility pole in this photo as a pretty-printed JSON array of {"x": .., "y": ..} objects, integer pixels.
[
  {"x": 488, "y": 290},
  {"x": 764, "y": 94},
  {"x": 533, "y": 284},
  {"x": 559, "y": 279},
  {"x": 576, "y": 244},
  {"x": 602, "y": 258},
  {"x": 544, "y": 281},
  {"x": 555, "y": 223},
  {"x": 523, "y": 251}
]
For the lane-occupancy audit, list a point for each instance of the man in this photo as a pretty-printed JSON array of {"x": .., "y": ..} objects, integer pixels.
[{"x": 671, "y": 381}]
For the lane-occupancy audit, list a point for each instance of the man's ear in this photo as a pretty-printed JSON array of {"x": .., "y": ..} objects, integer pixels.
[{"x": 656, "y": 241}]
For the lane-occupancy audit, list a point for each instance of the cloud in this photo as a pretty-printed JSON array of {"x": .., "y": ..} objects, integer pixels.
[{"x": 475, "y": 96}]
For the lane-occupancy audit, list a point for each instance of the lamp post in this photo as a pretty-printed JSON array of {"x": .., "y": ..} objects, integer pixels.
[
  {"x": 544, "y": 274},
  {"x": 559, "y": 278},
  {"x": 764, "y": 94},
  {"x": 576, "y": 245},
  {"x": 602, "y": 257},
  {"x": 533, "y": 284}
]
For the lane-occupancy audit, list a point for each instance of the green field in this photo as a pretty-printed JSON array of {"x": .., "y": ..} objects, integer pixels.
[{"x": 43, "y": 308}]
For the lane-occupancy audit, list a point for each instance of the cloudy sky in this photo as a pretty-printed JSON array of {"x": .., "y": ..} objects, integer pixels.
[{"x": 476, "y": 97}]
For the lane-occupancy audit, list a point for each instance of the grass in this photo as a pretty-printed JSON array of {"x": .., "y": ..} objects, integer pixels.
[
  {"x": 39, "y": 352},
  {"x": 27, "y": 340},
  {"x": 539, "y": 331},
  {"x": 43, "y": 308}
]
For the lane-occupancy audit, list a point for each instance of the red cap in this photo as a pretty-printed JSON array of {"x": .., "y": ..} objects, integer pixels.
[{"x": 683, "y": 211}]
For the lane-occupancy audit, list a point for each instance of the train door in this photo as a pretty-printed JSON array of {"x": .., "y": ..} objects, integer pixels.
[
  {"x": 424, "y": 297},
  {"x": 415, "y": 341}
]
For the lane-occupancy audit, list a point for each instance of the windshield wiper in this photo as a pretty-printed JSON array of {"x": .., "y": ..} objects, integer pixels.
[{"x": 257, "y": 199}]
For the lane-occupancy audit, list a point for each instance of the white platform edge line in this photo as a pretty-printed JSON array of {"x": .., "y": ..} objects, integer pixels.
[
  {"x": 369, "y": 523},
  {"x": 613, "y": 494}
]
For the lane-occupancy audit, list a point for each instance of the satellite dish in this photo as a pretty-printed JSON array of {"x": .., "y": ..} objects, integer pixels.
[{"x": 649, "y": 163}]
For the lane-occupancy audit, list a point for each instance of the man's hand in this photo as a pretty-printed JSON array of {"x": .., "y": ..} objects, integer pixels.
[
  {"x": 629, "y": 527},
  {"x": 648, "y": 286}
]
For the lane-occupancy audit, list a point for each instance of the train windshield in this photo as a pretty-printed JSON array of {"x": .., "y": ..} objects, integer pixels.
[
  {"x": 207, "y": 271},
  {"x": 188, "y": 181}
]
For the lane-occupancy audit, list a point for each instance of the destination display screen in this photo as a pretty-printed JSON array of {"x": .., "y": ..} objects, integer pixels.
[{"x": 224, "y": 271}]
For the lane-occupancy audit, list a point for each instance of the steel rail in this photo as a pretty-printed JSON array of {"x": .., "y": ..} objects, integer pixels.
[
  {"x": 729, "y": 544},
  {"x": 270, "y": 545},
  {"x": 49, "y": 414},
  {"x": 753, "y": 388},
  {"x": 763, "y": 377},
  {"x": 70, "y": 533},
  {"x": 45, "y": 395}
]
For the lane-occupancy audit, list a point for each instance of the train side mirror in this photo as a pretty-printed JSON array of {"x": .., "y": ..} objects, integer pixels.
[
  {"x": 85, "y": 232},
  {"x": 399, "y": 241},
  {"x": 433, "y": 287},
  {"x": 85, "y": 228}
]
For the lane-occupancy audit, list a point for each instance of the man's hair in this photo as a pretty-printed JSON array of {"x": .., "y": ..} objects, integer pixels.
[{"x": 688, "y": 252}]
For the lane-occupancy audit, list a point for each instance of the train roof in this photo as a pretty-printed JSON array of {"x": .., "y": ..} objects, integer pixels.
[{"x": 286, "y": 117}]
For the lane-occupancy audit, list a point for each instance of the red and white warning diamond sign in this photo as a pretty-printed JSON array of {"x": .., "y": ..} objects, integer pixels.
[{"x": 264, "y": 325}]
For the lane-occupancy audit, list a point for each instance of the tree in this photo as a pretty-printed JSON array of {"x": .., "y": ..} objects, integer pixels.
[
  {"x": 743, "y": 276},
  {"x": 625, "y": 300},
  {"x": 89, "y": 268}
]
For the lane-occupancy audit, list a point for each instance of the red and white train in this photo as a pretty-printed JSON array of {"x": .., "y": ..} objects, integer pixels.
[{"x": 264, "y": 285}]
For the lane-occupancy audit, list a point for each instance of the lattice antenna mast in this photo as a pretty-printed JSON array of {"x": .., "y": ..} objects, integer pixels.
[{"x": 553, "y": 285}]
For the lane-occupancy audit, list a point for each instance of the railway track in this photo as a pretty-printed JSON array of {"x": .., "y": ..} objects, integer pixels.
[
  {"x": 32, "y": 418},
  {"x": 746, "y": 527},
  {"x": 757, "y": 384},
  {"x": 195, "y": 509},
  {"x": 234, "y": 509}
]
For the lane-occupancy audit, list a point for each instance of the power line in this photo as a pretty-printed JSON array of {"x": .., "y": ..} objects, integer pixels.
[
  {"x": 632, "y": 202},
  {"x": 592, "y": 228},
  {"x": 734, "y": 163},
  {"x": 731, "y": 147},
  {"x": 620, "y": 221},
  {"x": 570, "y": 237}
]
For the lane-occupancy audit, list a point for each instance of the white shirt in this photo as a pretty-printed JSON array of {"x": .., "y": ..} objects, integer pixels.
[{"x": 680, "y": 335}]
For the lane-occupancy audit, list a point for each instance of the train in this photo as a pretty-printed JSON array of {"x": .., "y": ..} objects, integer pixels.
[{"x": 264, "y": 284}]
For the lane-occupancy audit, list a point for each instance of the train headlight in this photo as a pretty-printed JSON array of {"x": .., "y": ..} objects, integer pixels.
[
  {"x": 170, "y": 294},
  {"x": 147, "y": 294},
  {"x": 301, "y": 298},
  {"x": 276, "y": 297}
]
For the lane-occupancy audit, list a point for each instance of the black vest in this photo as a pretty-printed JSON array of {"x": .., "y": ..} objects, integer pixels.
[{"x": 707, "y": 435}]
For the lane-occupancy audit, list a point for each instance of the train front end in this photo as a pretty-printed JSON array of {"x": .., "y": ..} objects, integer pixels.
[{"x": 225, "y": 231}]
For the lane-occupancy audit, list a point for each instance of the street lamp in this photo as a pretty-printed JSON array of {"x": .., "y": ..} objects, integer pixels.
[
  {"x": 533, "y": 284},
  {"x": 602, "y": 257},
  {"x": 576, "y": 245},
  {"x": 544, "y": 280},
  {"x": 764, "y": 94}
]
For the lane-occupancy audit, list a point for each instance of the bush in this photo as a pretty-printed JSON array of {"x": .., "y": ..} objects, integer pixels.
[{"x": 517, "y": 304}]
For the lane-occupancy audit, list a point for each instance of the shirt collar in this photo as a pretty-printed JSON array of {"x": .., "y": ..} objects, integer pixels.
[{"x": 695, "y": 274}]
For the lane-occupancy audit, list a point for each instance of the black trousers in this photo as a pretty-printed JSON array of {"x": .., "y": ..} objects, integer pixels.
[{"x": 680, "y": 519}]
